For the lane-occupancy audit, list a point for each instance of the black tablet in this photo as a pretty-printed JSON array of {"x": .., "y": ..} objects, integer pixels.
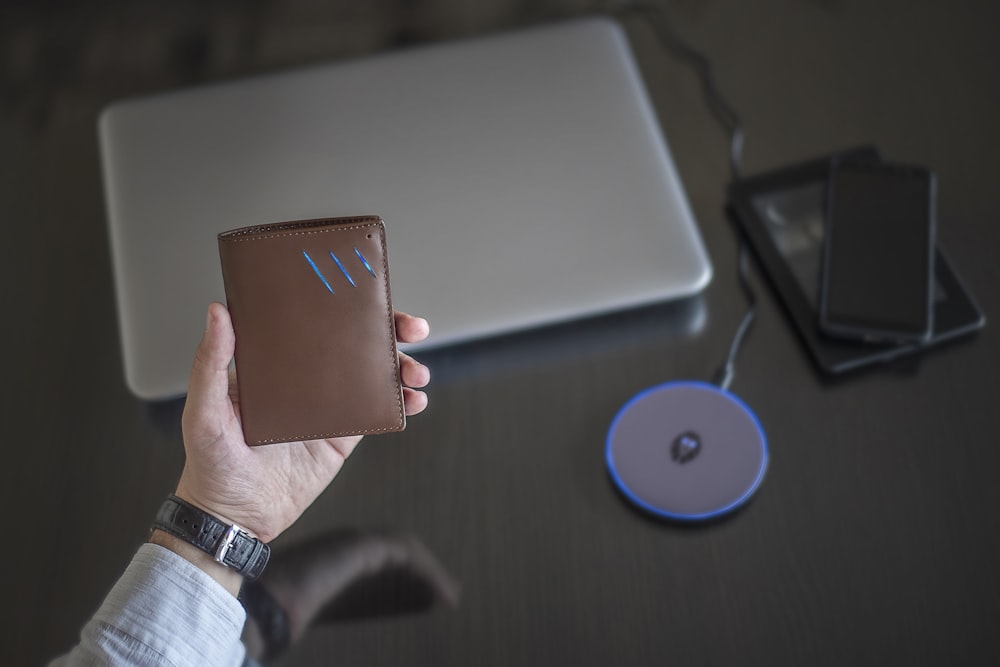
[{"x": 782, "y": 215}]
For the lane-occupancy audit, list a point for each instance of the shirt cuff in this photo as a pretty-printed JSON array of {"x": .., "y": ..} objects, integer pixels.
[{"x": 172, "y": 608}]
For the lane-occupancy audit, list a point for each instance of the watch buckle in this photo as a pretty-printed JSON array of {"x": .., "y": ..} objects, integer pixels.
[{"x": 227, "y": 542}]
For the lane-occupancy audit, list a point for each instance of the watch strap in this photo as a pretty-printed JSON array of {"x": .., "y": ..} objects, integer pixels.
[{"x": 226, "y": 543}]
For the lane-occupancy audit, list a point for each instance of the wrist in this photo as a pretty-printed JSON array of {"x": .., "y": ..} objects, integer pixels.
[
  {"x": 208, "y": 541},
  {"x": 230, "y": 579},
  {"x": 227, "y": 514},
  {"x": 222, "y": 513}
]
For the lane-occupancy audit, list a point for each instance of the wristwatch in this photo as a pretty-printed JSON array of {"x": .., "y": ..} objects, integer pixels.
[{"x": 227, "y": 544}]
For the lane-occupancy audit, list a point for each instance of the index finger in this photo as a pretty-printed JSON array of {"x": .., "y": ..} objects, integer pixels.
[{"x": 410, "y": 329}]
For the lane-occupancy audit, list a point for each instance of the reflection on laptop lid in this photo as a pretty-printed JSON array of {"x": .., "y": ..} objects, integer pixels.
[{"x": 523, "y": 179}]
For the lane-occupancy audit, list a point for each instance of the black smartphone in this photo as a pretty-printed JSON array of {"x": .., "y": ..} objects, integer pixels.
[{"x": 878, "y": 253}]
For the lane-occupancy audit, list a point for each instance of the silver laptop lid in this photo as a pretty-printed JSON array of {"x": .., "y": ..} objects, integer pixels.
[{"x": 523, "y": 179}]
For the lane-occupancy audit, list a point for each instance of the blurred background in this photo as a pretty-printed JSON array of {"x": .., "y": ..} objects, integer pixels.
[{"x": 900, "y": 568}]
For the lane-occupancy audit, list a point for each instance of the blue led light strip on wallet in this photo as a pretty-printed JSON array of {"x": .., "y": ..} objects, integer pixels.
[
  {"x": 316, "y": 269},
  {"x": 364, "y": 261},
  {"x": 342, "y": 269}
]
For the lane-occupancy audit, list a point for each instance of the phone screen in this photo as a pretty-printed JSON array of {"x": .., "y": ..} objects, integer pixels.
[{"x": 878, "y": 255}]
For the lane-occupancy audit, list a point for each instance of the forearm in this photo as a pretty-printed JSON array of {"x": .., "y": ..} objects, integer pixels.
[
  {"x": 227, "y": 578},
  {"x": 163, "y": 610}
]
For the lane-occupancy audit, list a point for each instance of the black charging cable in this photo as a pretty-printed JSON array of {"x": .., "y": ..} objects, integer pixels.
[{"x": 723, "y": 112}]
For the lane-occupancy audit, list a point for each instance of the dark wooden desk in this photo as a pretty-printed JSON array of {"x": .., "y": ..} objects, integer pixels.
[{"x": 874, "y": 538}]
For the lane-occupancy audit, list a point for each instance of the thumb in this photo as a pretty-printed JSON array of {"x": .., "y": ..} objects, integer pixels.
[{"x": 208, "y": 388}]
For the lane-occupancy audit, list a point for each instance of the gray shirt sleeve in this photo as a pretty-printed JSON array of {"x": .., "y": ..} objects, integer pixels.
[{"x": 163, "y": 611}]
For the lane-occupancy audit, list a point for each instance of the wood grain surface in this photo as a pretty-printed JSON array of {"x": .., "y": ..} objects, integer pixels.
[{"x": 874, "y": 538}]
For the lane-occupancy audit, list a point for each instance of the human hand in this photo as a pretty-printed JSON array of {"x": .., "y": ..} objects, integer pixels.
[{"x": 263, "y": 489}]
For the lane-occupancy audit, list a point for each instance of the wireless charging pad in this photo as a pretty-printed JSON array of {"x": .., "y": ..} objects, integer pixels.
[{"x": 687, "y": 451}]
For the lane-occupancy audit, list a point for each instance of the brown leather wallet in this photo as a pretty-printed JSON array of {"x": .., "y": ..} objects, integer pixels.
[{"x": 315, "y": 333}]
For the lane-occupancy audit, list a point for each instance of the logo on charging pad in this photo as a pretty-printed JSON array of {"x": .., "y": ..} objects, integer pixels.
[{"x": 685, "y": 447}]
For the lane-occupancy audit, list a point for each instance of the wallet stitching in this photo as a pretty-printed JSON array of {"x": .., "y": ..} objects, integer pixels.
[
  {"x": 332, "y": 434},
  {"x": 257, "y": 231},
  {"x": 264, "y": 237},
  {"x": 385, "y": 287},
  {"x": 390, "y": 321}
]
